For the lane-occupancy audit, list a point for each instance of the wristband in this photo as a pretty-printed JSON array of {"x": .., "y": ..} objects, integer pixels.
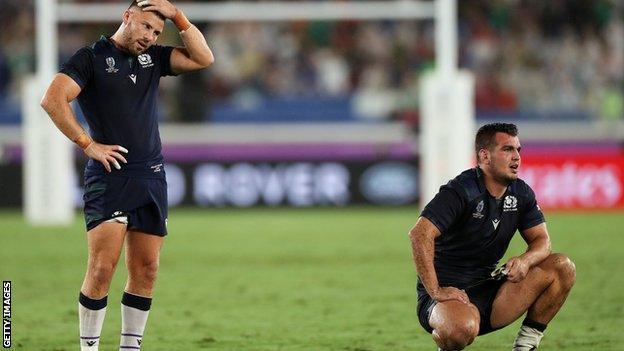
[
  {"x": 83, "y": 140},
  {"x": 181, "y": 21}
]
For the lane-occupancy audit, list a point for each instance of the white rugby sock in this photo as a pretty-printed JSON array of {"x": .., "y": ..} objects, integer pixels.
[
  {"x": 134, "y": 313},
  {"x": 529, "y": 336},
  {"x": 91, "y": 315}
]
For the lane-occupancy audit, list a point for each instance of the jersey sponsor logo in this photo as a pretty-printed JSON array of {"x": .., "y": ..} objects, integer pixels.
[
  {"x": 477, "y": 213},
  {"x": 133, "y": 78},
  {"x": 110, "y": 62},
  {"x": 145, "y": 60},
  {"x": 495, "y": 223},
  {"x": 510, "y": 203},
  {"x": 156, "y": 168}
]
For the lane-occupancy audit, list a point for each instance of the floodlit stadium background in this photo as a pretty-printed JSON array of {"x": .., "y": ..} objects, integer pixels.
[
  {"x": 307, "y": 113},
  {"x": 324, "y": 117}
]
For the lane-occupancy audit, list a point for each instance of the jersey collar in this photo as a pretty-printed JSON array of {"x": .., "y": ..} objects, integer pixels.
[{"x": 109, "y": 43}]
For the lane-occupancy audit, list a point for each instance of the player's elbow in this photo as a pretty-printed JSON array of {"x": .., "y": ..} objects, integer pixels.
[
  {"x": 416, "y": 235},
  {"x": 207, "y": 60},
  {"x": 50, "y": 98},
  {"x": 548, "y": 247},
  {"x": 46, "y": 102},
  {"x": 412, "y": 233}
]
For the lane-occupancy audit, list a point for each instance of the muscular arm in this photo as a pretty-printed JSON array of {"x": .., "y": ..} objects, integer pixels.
[
  {"x": 195, "y": 54},
  {"x": 538, "y": 244},
  {"x": 422, "y": 237},
  {"x": 538, "y": 249},
  {"x": 55, "y": 102}
]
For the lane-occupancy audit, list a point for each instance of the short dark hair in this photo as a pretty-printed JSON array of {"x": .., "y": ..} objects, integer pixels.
[
  {"x": 135, "y": 3},
  {"x": 485, "y": 135}
]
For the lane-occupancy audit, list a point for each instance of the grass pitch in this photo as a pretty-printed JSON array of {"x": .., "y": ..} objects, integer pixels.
[{"x": 283, "y": 279}]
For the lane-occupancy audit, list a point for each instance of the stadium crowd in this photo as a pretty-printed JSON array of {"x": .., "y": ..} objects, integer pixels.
[{"x": 531, "y": 59}]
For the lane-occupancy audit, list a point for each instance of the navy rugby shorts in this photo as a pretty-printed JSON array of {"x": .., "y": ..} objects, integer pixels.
[
  {"x": 481, "y": 295},
  {"x": 142, "y": 200}
]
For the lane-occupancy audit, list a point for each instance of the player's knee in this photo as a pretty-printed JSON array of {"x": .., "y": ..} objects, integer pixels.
[
  {"x": 145, "y": 271},
  {"x": 565, "y": 269},
  {"x": 102, "y": 272},
  {"x": 456, "y": 337}
]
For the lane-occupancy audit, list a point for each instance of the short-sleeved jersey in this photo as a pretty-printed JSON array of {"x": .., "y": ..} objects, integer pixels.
[
  {"x": 475, "y": 227},
  {"x": 118, "y": 98}
]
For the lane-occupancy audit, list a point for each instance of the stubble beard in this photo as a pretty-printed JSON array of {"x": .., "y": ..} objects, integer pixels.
[
  {"x": 129, "y": 43},
  {"x": 504, "y": 178}
]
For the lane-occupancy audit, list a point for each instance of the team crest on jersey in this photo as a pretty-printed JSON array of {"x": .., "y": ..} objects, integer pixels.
[
  {"x": 145, "y": 60},
  {"x": 510, "y": 203},
  {"x": 477, "y": 213},
  {"x": 110, "y": 62}
]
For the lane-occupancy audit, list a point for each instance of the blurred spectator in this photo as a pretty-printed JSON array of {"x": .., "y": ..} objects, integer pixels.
[
  {"x": 551, "y": 59},
  {"x": 17, "y": 45}
]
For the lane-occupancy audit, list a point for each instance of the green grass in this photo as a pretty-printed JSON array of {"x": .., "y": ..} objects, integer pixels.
[{"x": 279, "y": 279}]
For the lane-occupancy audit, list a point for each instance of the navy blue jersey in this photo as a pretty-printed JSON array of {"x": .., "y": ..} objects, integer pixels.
[
  {"x": 118, "y": 99},
  {"x": 475, "y": 227}
]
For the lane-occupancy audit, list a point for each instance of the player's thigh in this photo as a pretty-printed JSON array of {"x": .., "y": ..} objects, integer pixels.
[
  {"x": 105, "y": 242},
  {"x": 451, "y": 315},
  {"x": 142, "y": 249},
  {"x": 514, "y": 299}
]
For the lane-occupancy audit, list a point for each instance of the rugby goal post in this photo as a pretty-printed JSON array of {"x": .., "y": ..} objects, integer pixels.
[{"x": 447, "y": 111}]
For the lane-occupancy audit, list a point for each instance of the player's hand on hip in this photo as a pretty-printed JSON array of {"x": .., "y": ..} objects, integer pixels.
[
  {"x": 106, "y": 154},
  {"x": 163, "y": 6},
  {"x": 517, "y": 269},
  {"x": 449, "y": 293}
]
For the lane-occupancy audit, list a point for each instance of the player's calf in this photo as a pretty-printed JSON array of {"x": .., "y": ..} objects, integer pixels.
[{"x": 548, "y": 303}]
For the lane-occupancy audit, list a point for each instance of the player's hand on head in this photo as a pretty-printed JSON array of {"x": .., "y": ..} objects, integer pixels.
[
  {"x": 164, "y": 7},
  {"x": 517, "y": 269},
  {"x": 107, "y": 155},
  {"x": 449, "y": 293}
]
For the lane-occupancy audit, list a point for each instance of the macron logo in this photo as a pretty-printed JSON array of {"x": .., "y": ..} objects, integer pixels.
[{"x": 495, "y": 223}]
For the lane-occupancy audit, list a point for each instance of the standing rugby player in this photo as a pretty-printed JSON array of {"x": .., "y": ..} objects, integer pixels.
[{"x": 116, "y": 83}]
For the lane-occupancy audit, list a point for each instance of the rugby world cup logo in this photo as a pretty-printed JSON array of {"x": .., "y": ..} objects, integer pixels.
[
  {"x": 477, "y": 213},
  {"x": 110, "y": 62}
]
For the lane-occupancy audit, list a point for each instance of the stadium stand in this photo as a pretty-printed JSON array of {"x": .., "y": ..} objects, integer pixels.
[{"x": 532, "y": 60}]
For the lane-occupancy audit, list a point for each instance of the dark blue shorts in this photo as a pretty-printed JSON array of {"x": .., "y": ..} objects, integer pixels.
[{"x": 142, "y": 200}]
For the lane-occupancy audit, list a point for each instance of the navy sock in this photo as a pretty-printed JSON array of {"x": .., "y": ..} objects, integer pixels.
[
  {"x": 91, "y": 303},
  {"x": 533, "y": 324},
  {"x": 135, "y": 301}
]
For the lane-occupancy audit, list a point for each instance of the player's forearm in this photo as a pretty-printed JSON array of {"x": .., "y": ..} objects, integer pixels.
[
  {"x": 423, "y": 252},
  {"x": 62, "y": 115},
  {"x": 537, "y": 251},
  {"x": 197, "y": 47}
]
